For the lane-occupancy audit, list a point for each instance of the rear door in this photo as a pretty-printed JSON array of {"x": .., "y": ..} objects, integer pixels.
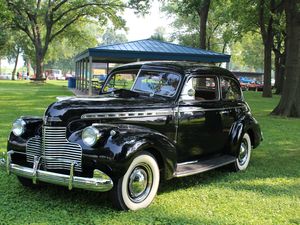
[{"x": 233, "y": 106}]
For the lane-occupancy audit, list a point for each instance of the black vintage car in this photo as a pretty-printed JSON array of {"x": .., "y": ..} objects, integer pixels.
[{"x": 151, "y": 121}]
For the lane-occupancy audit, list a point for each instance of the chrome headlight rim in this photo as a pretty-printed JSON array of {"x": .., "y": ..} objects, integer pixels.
[
  {"x": 18, "y": 127},
  {"x": 90, "y": 136}
]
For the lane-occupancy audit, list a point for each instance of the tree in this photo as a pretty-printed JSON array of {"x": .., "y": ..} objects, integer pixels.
[
  {"x": 279, "y": 49},
  {"x": 43, "y": 21},
  {"x": 159, "y": 34},
  {"x": 77, "y": 38},
  {"x": 4, "y": 36},
  {"x": 246, "y": 57},
  {"x": 185, "y": 8},
  {"x": 112, "y": 37},
  {"x": 265, "y": 22},
  {"x": 289, "y": 104},
  {"x": 260, "y": 16}
]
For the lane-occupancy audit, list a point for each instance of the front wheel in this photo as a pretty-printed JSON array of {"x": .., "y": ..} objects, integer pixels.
[
  {"x": 138, "y": 187},
  {"x": 243, "y": 158}
]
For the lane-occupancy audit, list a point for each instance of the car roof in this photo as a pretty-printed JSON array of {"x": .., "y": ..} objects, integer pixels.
[{"x": 182, "y": 67}]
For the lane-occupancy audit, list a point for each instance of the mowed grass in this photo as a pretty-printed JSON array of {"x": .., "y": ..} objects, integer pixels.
[{"x": 267, "y": 193}]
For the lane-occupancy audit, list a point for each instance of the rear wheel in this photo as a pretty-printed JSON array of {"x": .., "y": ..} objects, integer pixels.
[
  {"x": 138, "y": 187},
  {"x": 243, "y": 158}
]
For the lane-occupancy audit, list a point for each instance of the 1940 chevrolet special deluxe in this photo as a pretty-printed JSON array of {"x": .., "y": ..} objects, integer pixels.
[{"x": 151, "y": 121}]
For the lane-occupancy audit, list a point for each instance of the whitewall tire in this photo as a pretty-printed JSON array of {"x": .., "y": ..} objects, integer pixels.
[
  {"x": 138, "y": 187},
  {"x": 243, "y": 158}
]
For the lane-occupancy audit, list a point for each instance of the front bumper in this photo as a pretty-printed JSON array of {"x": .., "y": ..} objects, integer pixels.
[{"x": 100, "y": 182}]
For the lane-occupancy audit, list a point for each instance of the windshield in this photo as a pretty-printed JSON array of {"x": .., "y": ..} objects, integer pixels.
[
  {"x": 152, "y": 82},
  {"x": 120, "y": 80}
]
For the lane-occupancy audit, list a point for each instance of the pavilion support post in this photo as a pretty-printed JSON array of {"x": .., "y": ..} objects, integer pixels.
[
  {"x": 227, "y": 65},
  {"x": 76, "y": 74},
  {"x": 86, "y": 75},
  {"x": 107, "y": 68},
  {"x": 80, "y": 75},
  {"x": 90, "y": 75}
]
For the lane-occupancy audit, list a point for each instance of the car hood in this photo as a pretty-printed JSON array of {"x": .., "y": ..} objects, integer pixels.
[{"x": 71, "y": 108}]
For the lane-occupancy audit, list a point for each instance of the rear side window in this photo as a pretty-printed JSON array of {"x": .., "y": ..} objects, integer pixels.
[{"x": 230, "y": 89}]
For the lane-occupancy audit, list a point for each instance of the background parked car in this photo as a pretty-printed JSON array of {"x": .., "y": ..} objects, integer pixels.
[{"x": 256, "y": 86}]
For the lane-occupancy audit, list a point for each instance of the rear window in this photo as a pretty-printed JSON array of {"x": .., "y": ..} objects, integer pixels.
[{"x": 230, "y": 89}]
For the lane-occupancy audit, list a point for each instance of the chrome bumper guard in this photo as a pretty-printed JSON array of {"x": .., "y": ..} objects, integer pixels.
[{"x": 100, "y": 182}]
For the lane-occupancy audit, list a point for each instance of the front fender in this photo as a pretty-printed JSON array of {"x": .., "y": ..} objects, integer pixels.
[
  {"x": 117, "y": 151},
  {"x": 32, "y": 128},
  {"x": 160, "y": 146}
]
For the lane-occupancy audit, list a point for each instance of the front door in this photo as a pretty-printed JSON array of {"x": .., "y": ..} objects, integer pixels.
[{"x": 200, "y": 131}]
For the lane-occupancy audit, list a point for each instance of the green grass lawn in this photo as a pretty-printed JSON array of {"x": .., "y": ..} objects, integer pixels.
[{"x": 267, "y": 193}]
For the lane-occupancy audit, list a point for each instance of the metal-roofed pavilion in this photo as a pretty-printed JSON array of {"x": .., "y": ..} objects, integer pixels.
[{"x": 141, "y": 50}]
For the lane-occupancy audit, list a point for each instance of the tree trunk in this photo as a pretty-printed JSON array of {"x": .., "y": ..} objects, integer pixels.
[
  {"x": 16, "y": 64},
  {"x": 281, "y": 75},
  {"x": 277, "y": 69},
  {"x": 266, "y": 31},
  {"x": 28, "y": 65},
  {"x": 39, "y": 60},
  {"x": 289, "y": 104},
  {"x": 203, "y": 15},
  {"x": 267, "y": 90}
]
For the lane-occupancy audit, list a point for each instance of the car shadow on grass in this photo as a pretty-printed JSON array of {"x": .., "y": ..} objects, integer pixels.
[{"x": 266, "y": 175}]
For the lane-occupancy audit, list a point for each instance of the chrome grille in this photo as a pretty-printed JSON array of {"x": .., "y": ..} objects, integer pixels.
[
  {"x": 55, "y": 145},
  {"x": 33, "y": 148},
  {"x": 58, "y": 151}
]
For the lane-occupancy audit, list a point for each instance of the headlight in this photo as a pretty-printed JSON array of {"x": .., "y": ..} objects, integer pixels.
[
  {"x": 18, "y": 127},
  {"x": 90, "y": 136}
]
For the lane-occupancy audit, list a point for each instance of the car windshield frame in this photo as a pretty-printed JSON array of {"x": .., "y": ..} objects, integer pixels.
[{"x": 142, "y": 91}]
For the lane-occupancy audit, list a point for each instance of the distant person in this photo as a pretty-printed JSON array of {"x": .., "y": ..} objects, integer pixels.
[{"x": 18, "y": 76}]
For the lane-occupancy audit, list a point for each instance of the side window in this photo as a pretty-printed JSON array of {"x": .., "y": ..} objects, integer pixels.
[
  {"x": 202, "y": 88},
  {"x": 230, "y": 89}
]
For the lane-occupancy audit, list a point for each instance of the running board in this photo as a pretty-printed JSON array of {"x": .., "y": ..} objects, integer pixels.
[{"x": 187, "y": 169}]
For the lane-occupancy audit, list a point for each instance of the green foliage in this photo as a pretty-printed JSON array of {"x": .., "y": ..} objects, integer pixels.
[
  {"x": 76, "y": 39},
  {"x": 112, "y": 37},
  {"x": 220, "y": 29},
  {"x": 267, "y": 193},
  {"x": 45, "y": 21},
  {"x": 159, "y": 34},
  {"x": 244, "y": 55}
]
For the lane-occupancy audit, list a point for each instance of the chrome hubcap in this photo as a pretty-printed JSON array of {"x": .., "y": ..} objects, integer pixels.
[
  {"x": 244, "y": 151},
  {"x": 140, "y": 183}
]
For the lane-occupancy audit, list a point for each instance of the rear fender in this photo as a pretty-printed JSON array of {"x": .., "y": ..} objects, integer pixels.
[{"x": 246, "y": 124}]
